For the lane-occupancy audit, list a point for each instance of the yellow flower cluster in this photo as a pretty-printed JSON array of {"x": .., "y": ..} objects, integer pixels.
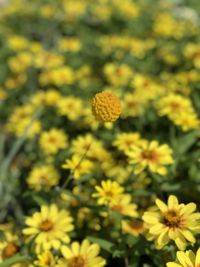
[{"x": 99, "y": 140}]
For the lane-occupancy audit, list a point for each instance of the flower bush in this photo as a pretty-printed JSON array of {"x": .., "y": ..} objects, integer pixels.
[{"x": 99, "y": 139}]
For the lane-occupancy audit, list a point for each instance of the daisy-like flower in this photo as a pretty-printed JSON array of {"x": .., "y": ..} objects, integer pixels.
[
  {"x": 45, "y": 259},
  {"x": 43, "y": 177},
  {"x": 124, "y": 206},
  {"x": 186, "y": 259},
  {"x": 134, "y": 227},
  {"x": 124, "y": 141},
  {"x": 173, "y": 105},
  {"x": 150, "y": 155},
  {"x": 50, "y": 226},
  {"x": 187, "y": 121},
  {"x": 108, "y": 193},
  {"x": 8, "y": 247},
  {"x": 81, "y": 255},
  {"x": 172, "y": 221},
  {"x": 52, "y": 141},
  {"x": 78, "y": 166}
]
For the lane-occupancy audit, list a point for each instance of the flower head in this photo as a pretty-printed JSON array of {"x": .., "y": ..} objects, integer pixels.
[
  {"x": 106, "y": 107},
  {"x": 81, "y": 255},
  {"x": 45, "y": 259},
  {"x": 109, "y": 192},
  {"x": 78, "y": 166},
  {"x": 43, "y": 177},
  {"x": 50, "y": 226},
  {"x": 186, "y": 259},
  {"x": 52, "y": 141},
  {"x": 172, "y": 221},
  {"x": 8, "y": 246},
  {"x": 150, "y": 155}
]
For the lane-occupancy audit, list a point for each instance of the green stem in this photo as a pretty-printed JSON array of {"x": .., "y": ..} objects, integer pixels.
[{"x": 16, "y": 258}]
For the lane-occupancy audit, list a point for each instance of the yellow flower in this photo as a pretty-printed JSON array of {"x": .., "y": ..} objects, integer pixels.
[
  {"x": 186, "y": 259},
  {"x": 46, "y": 98},
  {"x": 124, "y": 206},
  {"x": 89, "y": 146},
  {"x": 60, "y": 76},
  {"x": 47, "y": 60},
  {"x": 133, "y": 227},
  {"x": 173, "y": 105},
  {"x": 152, "y": 156},
  {"x": 187, "y": 121},
  {"x": 52, "y": 141},
  {"x": 45, "y": 259},
  {"x": 192, "y": 51},
  {"x": 8, "y": 247},
  {"x": 124, "y": 141},
  {"x": 71, "y": 44},
  {"x": 118, "y": 75},
  {"x": 127, "y": 8},
  {"x": 50, "y": 227},
  {"x": 17, "y": 42},
  {"x": 81, "y": 255},
  {"x": 172, "y": 221},
  {"x": 108, "y": 193},
  {"x": 21, "y": 62},
  {"x": 78, "y": 166},
  {"x": 133, "y": 105},
  {"x": 71, "y": 107},
  {"x": 43, "y": 177},
  {"x": 21, "y": 122},
  {"x": 106, "y": 107}
]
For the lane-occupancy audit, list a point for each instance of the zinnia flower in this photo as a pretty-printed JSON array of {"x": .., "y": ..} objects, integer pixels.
[
  {"x": 50, "y": 226},
  {"x": 172, "y": 221},
  {"x": 109, "y": 192},
  {"x": 186, "y": 259},
  {"x": 81, "y": 255},
  {"x": 150, "y": 155}
]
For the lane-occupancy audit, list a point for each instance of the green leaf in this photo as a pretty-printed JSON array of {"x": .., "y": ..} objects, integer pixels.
[
  {"x": 185, "y": 142},
  {"x": 104, "y": 244},
  {"x": 2, "y": 236}
]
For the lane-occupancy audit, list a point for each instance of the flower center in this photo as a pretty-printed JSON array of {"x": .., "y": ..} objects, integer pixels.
[
  {"x": 46, "y": 225},
  {"x": 109, "y": 193},
  {"x": 9, "y": 250},
  {"x": 174, "y": 106},
  {"x": 172, "y": 219},
  {"x": 136, "y": 225},
  {"x": 118, "y": 208},
  {"x": 52, "y": 140},
  {"x": 43, "y": 179},
  {"x": 78, "y": 261},
  {"x": 150, "y": 155}
]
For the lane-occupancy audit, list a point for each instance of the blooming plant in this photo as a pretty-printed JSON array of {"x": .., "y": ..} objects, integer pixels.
[{"x": 99, "y": 133}]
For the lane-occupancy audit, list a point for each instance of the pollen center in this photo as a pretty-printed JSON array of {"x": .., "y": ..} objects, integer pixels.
[
  {"x": 109, "y": 193},
  {"x": 172, "y": 219},
  {"x": 9, "y": 250},
  {"x": 150, "y": 155},
  {"x": 46, "y": 225},
  {"x": 78, "y": 261}
]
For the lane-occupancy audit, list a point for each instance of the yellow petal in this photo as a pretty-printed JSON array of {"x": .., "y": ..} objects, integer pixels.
[
  {"x": 173, "y": 264},
  {"x": 75, "y": 248},
  {"x": 184, "y": 259},
  {"x": 197, "y": 260},
  {"x": 180, "y": 242},
  {"x": 66, "y": 252},
  {"x": 172, "y": 202},
  {"x": 161, "y": 205}
]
